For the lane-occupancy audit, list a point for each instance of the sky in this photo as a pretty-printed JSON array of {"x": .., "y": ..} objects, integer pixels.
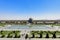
[{"x": 25, "y": 9}]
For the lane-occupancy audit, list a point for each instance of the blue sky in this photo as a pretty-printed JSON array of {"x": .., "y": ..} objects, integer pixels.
[{"x": 24, "y": 9}]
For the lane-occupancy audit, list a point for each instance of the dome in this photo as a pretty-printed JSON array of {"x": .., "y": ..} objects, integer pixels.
[{"x": 30, "y": 20}]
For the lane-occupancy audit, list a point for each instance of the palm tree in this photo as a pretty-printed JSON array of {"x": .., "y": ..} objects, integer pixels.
[
  {"x": 47, "y": 34},
  {"x": 17, "y": 34},
  {"x": 4, "y": 34},
  {"x": 33, "y": 34},
  {"x": 40, "y": 33},
  {"x": 54, "y": 34},
  {"x": 0, "y": 34},
  {"x": 50, "y": 34},
  {"x": 11, "y": 35},
  {"x": 44, "y": 34},
  {"x": 58, "y": 34}
]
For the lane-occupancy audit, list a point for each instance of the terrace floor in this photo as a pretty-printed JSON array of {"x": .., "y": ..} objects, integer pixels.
[{"x": 29, "y": 39}]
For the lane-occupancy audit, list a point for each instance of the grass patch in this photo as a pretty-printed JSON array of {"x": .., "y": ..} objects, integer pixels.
[{"x": 2, "y": 24}]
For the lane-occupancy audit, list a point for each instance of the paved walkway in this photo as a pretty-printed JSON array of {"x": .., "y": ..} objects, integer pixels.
[{"x": 28, "y": 39}]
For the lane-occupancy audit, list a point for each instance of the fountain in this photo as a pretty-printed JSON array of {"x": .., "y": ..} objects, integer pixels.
[
  {"x": 56, "y": 27},
  {"x": 26, "y": 31}
]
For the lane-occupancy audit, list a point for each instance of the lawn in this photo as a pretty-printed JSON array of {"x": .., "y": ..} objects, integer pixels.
[{"x": 1, "y": 24}]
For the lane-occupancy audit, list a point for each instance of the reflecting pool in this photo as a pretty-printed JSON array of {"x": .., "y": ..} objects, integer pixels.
[{"x": 32, "y": 27}]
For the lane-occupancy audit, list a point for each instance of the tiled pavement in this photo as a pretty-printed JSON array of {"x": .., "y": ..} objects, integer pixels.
[{"x": 29, "y": 39}]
